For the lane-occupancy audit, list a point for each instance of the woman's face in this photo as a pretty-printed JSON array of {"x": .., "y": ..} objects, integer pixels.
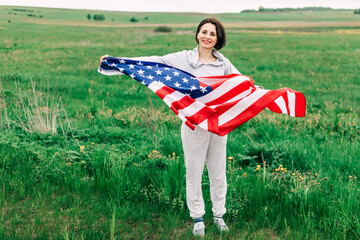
[{"x": 207, "y": 36}]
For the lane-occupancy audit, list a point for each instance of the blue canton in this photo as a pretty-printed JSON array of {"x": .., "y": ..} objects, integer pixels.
[{"x": 148, "y": 72}]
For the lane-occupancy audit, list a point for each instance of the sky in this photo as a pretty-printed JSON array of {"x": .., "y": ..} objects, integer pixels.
[{"x": 205, "y": 6}]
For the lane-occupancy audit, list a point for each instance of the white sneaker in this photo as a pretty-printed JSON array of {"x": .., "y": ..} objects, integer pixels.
[
  {"x": 199, "y": 229},
  {"x": 220, "y": 224}
]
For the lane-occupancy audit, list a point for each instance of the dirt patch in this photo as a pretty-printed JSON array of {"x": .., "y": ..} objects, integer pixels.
[
  {"x": 249, "y": 24},
  {"x": 348, "y": 31}
]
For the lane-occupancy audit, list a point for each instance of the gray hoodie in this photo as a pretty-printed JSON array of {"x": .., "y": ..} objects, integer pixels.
[{"x": 187, "y": 60}]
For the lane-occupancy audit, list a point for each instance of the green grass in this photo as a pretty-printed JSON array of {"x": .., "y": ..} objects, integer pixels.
[{"x": 119, "y": 173}]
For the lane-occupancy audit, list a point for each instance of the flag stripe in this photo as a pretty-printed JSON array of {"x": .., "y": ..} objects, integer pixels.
[
  {"x": 291, "y": 98},
  {"x": 240, "y": 106}
]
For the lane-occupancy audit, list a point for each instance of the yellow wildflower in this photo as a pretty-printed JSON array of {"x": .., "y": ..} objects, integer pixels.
[
  {"x": 244, "y": 175},
  {"x": 230, "y": 158},
  {"x": 82, "y": 162},
  {"x": 82, "y": 147},
  {"x": 68, "y": 163}
]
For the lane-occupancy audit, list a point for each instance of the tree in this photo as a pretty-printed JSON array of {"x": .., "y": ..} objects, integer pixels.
[
  {"x": 99, "y": 17},
  {"x": 133, "y": 19},
  {"x": 89, "y": 16},
  {"x": 261, "y": 9}
]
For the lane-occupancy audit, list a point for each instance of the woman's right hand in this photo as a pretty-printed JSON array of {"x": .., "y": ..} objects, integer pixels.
[{"x": 103, "y": 57}]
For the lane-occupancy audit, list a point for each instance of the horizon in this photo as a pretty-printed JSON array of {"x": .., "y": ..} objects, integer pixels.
[{"x": 187, "y": 6}]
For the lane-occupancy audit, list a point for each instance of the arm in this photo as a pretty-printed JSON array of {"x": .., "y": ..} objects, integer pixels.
[{"x": 172, "y": 59}]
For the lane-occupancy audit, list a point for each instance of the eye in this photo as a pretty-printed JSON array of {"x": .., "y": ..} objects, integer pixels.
[{"x": 203, "y": 32}]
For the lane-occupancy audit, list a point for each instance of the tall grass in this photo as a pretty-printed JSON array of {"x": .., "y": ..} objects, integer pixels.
[{"x": 104, "y": 160}]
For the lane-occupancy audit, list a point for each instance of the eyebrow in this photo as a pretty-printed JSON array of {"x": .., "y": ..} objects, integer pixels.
[{"x": 210, "y": 31}]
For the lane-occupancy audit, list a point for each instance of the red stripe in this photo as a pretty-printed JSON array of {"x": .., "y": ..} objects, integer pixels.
[
  {"x": 190, "y": 125},
  {"x": 274, "y": 107},
  {"x": 164, "y": 91},
  {"x": 201, "y": 115},
  {"x": 175, "y": 110},
  {"x": 231, "y": 93},
  {"x": 213, "y": 124},
  {"x": 300, "y": 105},
  {"x": 183, "y": 103}
]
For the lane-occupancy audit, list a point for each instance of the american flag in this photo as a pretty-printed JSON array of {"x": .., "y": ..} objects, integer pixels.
[{"x": 220, "y": 107}]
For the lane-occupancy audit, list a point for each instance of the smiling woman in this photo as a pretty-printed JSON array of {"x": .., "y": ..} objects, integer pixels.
[{"x": 199, "y": 145}]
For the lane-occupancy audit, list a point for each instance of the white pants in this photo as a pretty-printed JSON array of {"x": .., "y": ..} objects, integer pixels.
[{"x": 201, "y": 146}]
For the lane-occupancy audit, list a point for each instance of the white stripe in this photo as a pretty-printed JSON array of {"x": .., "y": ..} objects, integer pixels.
[
  {"x": 222, "y": 89},
  {"x": 109, "y": 72},
  {"x": 237, "y": 97},
  {"x": 210, "y": 80},
  {"x": 154, "y": 86},
  {"x": 291, "y": 99},
  {"x": 281, "y": 104},
  {"x": 241, "y": 106},
  {"x": 173, "y": 97},
  {"x": 204, "y": 124},
  {"x": 182, "y": 118},
  {"x": 191, "y": 109}
]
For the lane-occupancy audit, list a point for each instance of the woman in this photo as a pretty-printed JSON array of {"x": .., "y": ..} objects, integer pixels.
[{"x": 201, "y": 146}]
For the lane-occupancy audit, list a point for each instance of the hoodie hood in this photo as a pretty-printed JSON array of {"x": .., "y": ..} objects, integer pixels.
[{"x": 193, "y": 58}]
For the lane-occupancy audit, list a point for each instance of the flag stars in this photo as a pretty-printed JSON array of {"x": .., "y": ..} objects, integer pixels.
[
  {"x": 193, "y": 88},
  {"x": 185, "y": 80},
  {"x": 131, "y": 66},
  {"x": 203, "y": 90},
  {"x": 167, "y": 69},
  {"x": 158, "y": 72},
  {"x": 141, "y": 72},
  {"x": 132, "y": 75},
  {"x": 149, "y": 67},
  {"x": 121, "y": 69},
  {"x": 168, "y": 78},
  {"x": 150, "y": 77},
  {"x": 113, "y": 65},
  {"x": 177, "y": 84},
  {"x": 122, "y": 61},
  {"x": 176, "y": 73},
  {"x": 140, "y": 63}
]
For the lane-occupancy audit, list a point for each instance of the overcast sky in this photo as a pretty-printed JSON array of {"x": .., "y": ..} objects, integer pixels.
[{"x": 206, "y": 6}]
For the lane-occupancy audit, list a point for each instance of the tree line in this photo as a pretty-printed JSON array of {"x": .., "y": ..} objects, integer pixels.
[{"x": 263, "y": 9}]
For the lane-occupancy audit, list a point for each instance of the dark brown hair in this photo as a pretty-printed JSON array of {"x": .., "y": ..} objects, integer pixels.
[{"x": 220, "y": 32}]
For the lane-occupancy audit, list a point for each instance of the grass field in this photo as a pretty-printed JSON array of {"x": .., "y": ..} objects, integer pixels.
[{"x": 86, "y": 156}]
